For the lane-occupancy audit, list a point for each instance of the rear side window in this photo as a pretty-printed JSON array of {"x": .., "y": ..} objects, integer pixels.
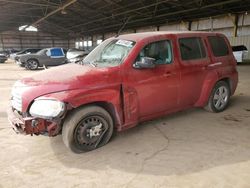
[
  {"x": 56, "y": 53},
  {"x": 218, "y": 45},
  {"x": 192, "y": 48}
]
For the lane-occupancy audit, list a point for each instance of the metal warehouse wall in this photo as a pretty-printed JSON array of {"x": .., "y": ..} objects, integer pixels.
[
  {"x": 21, "y": 40},
  {"x": 223, "y": 24}
]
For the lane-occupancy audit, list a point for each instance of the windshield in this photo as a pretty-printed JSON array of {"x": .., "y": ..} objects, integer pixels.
[
  {"x": 21, "y": 52},
  {"x": 110, "y": 53},
  {"x": 41, "y": 52}
]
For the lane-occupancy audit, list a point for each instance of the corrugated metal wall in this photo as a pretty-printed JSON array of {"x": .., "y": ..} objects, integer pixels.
[
  {"x": 21, "y": 40},
  {"x": 223, "y": 24}
]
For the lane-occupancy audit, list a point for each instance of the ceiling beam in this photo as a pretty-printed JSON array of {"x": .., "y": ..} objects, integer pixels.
[
  {"x": 167, "y": 14},
  {"x": 30, "y": 3},
  {"x": 119, "y": 14},
  {"x": 70, "y": 2}
]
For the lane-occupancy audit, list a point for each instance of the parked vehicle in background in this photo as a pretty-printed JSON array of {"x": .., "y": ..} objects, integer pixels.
[
  {"x": 240, "y": 53},
  {"x": 76, "y": 55},
  {"x": 124, "y": 81},
  {"x": 44, "y": 57},
  {"x": 3, "y": 56},
  {"x": 10, "y": 51},
  {"x": 65, "y": 51},
  {"x": 13, "y": 56}
]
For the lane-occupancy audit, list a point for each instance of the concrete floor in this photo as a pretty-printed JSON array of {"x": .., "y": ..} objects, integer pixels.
[{"x": 193, "y": 148}]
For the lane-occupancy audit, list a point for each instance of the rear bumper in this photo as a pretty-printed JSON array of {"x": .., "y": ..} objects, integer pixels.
[{"x": 31, "y": 125}]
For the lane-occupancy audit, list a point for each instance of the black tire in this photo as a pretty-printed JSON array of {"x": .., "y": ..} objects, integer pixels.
[
  {"x": 32, "y": 64},
  {"x": 219, "y": 98},
  {"x": 80, "y": 125}
]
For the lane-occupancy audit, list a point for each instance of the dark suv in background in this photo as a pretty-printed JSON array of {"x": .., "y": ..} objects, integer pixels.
[{"x": 3, "y": 56}]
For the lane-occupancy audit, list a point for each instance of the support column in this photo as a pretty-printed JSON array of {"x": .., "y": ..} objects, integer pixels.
[
  {"x": 236, "y": 20},
  {"x": 242, "y": 23},
  {"x": 212, "y": 24},
  {"x": 21, "y": 42},
  {"x": 189, "y": 25},
  {"x": 1, "y": 36}
]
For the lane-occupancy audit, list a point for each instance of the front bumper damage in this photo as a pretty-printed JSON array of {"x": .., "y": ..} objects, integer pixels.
[{"x": 32, "y": 125}]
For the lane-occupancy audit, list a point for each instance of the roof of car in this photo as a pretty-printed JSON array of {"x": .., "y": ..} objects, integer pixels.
[{"x": 140, "y": 36}]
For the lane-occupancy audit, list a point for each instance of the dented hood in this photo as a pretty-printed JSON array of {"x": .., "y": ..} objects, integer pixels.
[{"x": 67, "y": 77}]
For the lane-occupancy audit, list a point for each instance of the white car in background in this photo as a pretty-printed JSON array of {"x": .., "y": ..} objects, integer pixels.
[{"x": 240, "y": 53}]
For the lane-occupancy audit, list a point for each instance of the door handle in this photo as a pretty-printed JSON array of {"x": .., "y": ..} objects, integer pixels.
[{"x": 168, "y": 74}]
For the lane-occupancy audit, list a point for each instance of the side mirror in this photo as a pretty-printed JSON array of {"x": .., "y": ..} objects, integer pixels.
[{"x": 145, "y": 63}]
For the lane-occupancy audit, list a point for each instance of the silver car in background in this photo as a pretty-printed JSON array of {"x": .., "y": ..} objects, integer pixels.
[{"x": 45, "y": 57}]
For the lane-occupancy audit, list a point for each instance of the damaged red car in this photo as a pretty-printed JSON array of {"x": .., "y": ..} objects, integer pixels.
[{"x": 124, "y": 81}]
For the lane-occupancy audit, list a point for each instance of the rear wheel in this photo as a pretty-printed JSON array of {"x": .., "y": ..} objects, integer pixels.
[
  {"x": 219, "y": 97},
  {"x": 87, "y": 128},
  {"x": 32, "y": 64}
]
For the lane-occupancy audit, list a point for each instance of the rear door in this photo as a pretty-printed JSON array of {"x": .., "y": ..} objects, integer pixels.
[{"x": 193, "y": 62}]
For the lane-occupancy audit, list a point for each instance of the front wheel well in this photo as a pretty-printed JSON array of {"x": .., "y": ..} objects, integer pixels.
[
  {"x": 109, "y": 107},
  {"x": 33, "y": 59}
]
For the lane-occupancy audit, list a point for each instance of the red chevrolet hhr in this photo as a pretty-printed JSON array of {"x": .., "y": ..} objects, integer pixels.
[{"x": 122, "y": 82}]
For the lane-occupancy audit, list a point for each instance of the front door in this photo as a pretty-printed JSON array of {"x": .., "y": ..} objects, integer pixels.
[{"x": 156, "y": 89}]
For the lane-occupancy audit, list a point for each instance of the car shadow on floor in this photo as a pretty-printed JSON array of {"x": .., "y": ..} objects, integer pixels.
[{"x": 178, "y": 144}]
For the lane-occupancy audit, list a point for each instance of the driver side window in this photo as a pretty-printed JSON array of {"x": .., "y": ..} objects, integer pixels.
[{"x": 161, "y": 51}]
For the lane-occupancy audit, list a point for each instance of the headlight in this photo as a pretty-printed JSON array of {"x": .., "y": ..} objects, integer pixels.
[{"x": 46, "y": 108}]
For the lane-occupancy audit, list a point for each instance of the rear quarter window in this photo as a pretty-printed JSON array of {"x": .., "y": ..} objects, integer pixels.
[
  {"x": 218, "y": 45},
  {"x": 56, "y": 53},
  {"x": 192, "y": 48}
]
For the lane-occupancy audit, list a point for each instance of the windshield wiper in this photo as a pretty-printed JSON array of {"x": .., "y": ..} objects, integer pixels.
[
  {"x": 93, "y": 64},
  {"x": 88, "y": 62}
]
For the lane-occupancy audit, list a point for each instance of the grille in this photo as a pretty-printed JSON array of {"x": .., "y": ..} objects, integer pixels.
[{"x": 16, "y": 99}]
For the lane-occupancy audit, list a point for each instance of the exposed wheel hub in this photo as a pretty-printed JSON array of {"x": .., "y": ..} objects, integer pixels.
[
  {"x": 94, "y": 131},
  {"x": 90, "y": 131},
  {"x": 32, "y": 64}
]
